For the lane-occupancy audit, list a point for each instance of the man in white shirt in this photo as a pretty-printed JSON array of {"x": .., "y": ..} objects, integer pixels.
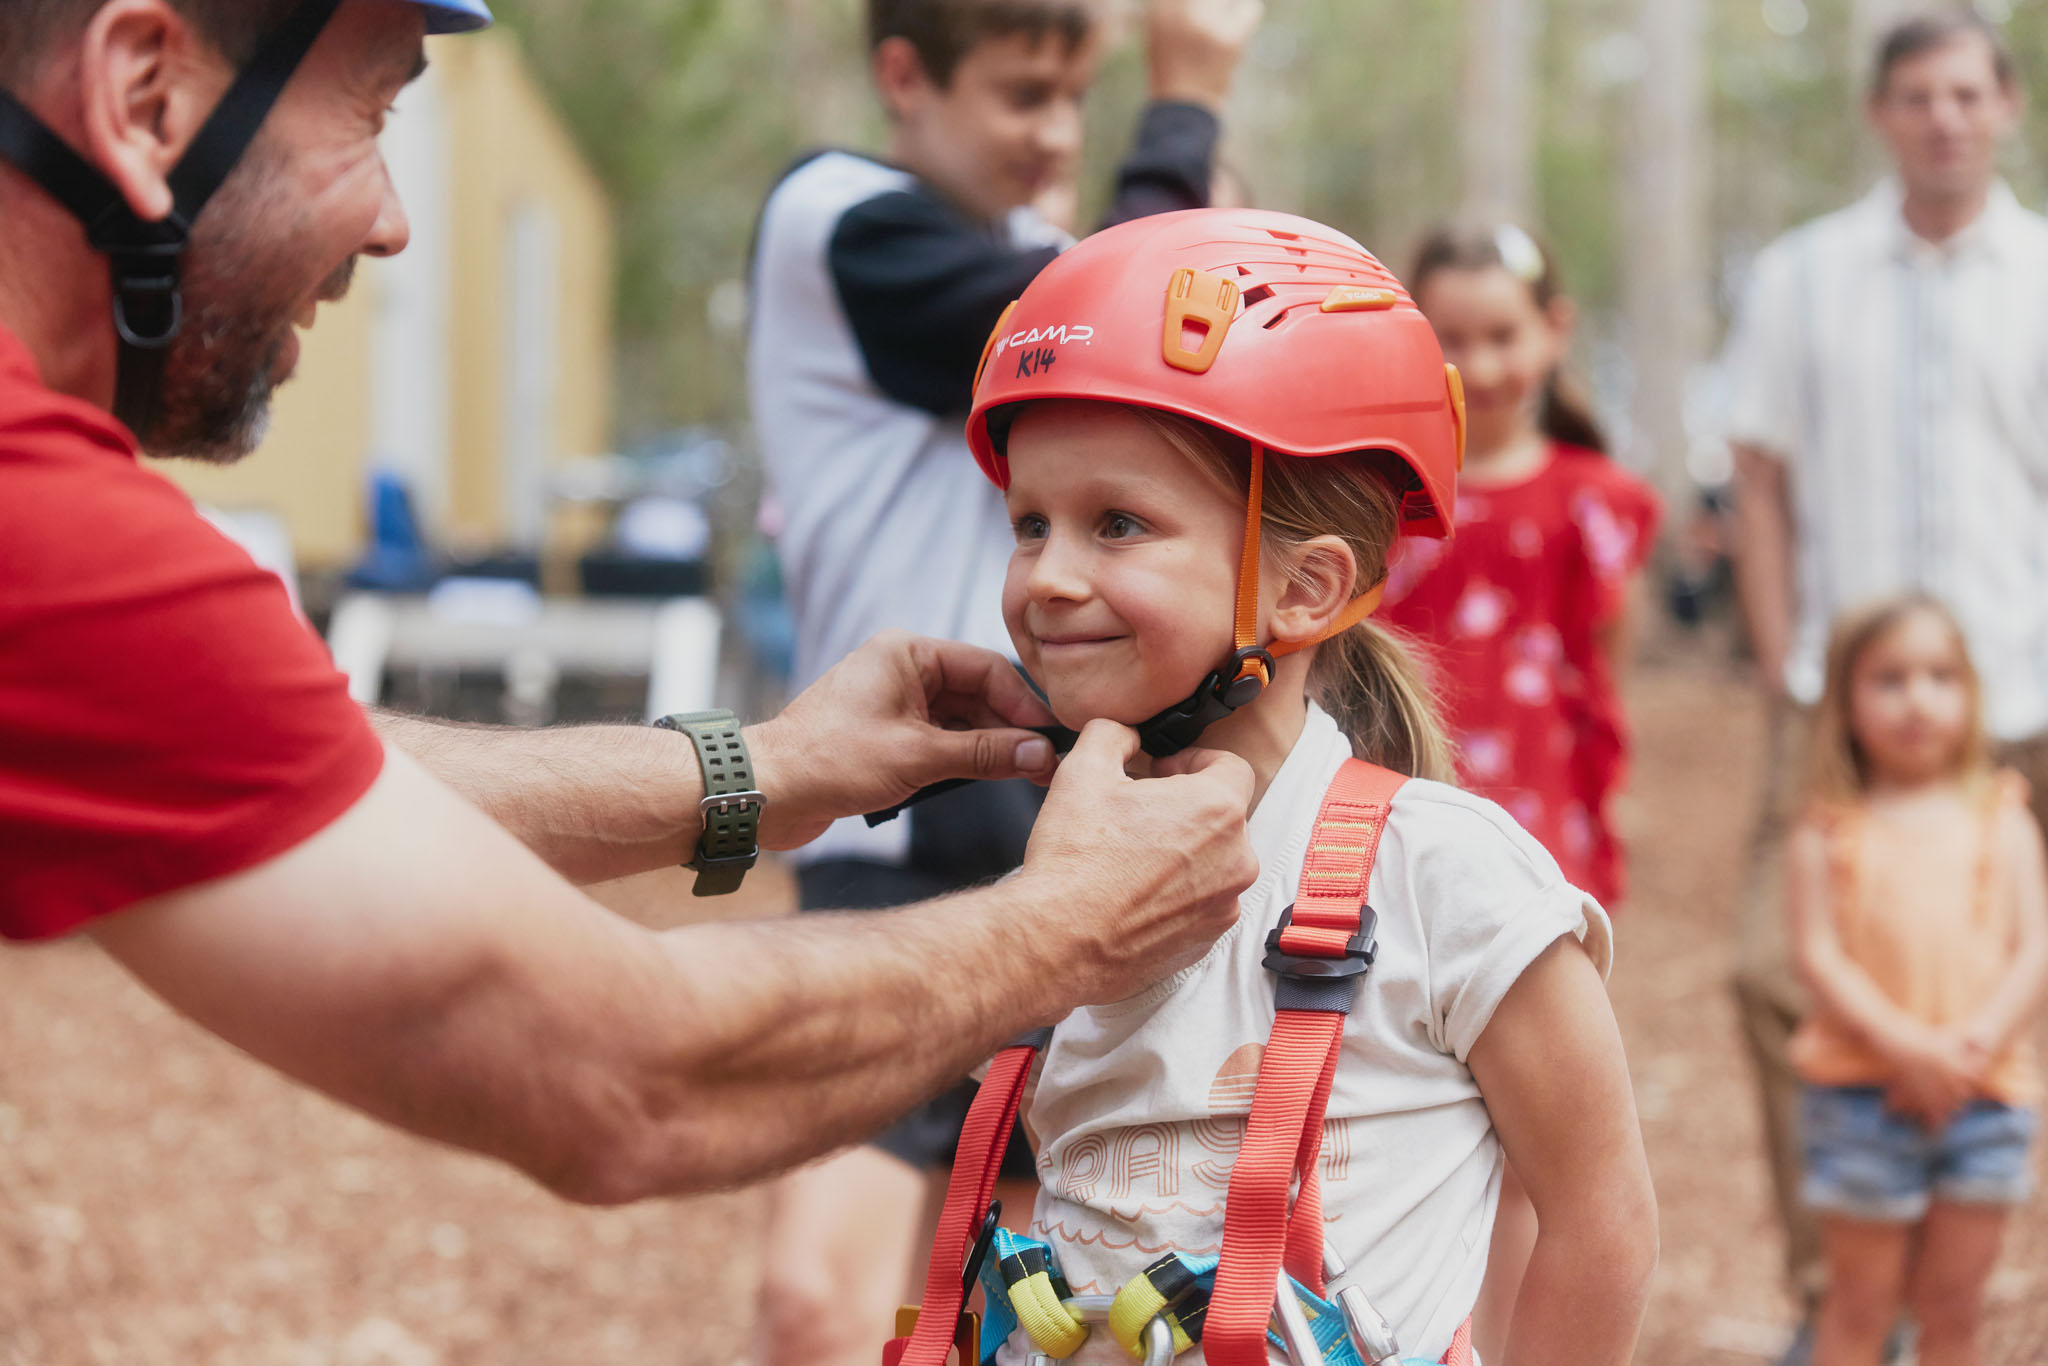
[{"x": 1890, "y": 430}]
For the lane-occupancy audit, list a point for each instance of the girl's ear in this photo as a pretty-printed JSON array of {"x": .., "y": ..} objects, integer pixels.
[{"x": 1316, "y": 582}]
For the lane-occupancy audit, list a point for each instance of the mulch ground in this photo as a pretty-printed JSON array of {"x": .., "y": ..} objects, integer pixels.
[{"x": 163, "y": 1201}]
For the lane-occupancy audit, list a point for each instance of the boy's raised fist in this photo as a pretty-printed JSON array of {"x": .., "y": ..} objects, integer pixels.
[{"x": 1194, "y": 46}]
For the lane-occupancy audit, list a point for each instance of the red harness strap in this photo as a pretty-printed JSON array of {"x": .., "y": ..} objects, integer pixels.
[
  {"x": 1323, "y": 946},
  {"x": 976, "y": 1163}
]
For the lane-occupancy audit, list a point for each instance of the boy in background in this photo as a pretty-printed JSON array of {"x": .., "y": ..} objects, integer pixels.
[{"x": 875, "y": 283}]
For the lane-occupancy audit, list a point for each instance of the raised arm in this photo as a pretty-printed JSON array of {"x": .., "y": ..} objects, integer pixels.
[
  {"x": 600, "y": 802},
  {"x": 923, "y": 287},
  {"x": 414, "y": 961},
  {"x": 1551, "y": 1067}
]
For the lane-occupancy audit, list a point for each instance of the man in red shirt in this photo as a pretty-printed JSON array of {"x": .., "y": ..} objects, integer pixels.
[{"x": 392, "y": 919}]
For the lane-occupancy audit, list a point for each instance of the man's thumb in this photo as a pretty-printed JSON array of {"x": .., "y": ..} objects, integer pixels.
[{"x": 992, "y": 754}]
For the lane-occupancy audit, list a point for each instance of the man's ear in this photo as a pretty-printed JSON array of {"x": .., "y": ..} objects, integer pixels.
[
  {"x": 1316, "y": 584},
  {"x": 146, "y": 84},
  {"x": 900, "y": 77}
]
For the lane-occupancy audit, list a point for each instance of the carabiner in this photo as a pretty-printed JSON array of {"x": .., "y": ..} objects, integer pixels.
[
  {"x": 1370, "y": 1332},
  {"x": 1095, "y": 1309},
  {"x": 1300, "y": 1339}
]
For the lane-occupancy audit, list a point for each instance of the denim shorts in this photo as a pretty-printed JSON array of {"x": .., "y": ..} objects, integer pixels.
[{"x": 1865, "y": 1162}]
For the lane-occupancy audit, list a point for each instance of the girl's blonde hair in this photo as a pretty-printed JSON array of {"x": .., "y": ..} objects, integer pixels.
[
  {"x": 1365, "y": 678},
  {"x": 1838, "y": 771}
]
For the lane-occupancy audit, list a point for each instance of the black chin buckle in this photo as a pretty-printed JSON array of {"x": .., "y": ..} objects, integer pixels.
[
  {"x": 147, "y": 260},
  {"x": 1220, "y": 694}
]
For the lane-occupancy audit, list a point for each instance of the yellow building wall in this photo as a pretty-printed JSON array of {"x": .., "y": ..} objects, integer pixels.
[
  {"x": 310, "y": 468},
  {"x": 510, "y": 148},
  {"x": 506, "y": 148}
]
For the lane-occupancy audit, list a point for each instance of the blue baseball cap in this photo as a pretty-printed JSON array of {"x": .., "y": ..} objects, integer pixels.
[{"x": 455, "y": 16}]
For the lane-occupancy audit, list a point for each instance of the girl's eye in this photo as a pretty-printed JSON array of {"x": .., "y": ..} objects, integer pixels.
[
  {"x": 1118, "y": 525},
  {"x": 1029, "y": 527}
]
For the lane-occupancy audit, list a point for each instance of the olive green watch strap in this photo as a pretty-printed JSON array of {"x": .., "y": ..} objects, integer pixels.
[{"x": 731, "y": 804}]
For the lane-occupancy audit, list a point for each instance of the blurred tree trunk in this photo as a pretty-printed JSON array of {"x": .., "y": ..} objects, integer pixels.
[
  {"x": 1665, "y": 286},
  {"x": 813, "y": 70},
  {"x": 1868, "y": 19},
  {"x": 1500, "y": 113}
]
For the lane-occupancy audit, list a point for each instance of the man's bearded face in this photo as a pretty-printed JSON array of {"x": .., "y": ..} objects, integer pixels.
[{"x": 245, "y": 284}]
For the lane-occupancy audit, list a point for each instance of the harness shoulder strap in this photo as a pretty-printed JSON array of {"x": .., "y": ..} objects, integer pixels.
[
  {"x": 983, "y": 1139},
  {"x": 1322, "y": 947}
]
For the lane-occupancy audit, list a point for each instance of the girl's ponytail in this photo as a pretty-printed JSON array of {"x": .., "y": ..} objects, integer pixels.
[
  {"x": 1564, "y": 416},
  {"x": 1372, "y": 686},
  {"x": 1365, "y": 678}
]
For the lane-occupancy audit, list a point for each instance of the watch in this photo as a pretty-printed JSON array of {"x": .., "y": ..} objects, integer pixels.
[{"x": 731, "y": 806}]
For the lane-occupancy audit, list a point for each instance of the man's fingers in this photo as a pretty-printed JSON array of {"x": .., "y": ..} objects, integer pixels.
[
  {"x": 952, "y": 670},
  {"x": 1103, "y": 752},
  {"x": 989, "y": 755},
  {"x": 1222, "y": 766}
]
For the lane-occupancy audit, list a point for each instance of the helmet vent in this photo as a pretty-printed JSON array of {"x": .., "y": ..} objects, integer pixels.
[{"x": 1257, "y": 294}]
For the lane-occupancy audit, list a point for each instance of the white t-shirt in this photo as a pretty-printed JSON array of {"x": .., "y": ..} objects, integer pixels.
[{"x": 1139, "y": 1107}]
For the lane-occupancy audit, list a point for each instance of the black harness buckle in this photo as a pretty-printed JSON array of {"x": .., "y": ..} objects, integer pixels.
[{"x": 1329, "y": 984}]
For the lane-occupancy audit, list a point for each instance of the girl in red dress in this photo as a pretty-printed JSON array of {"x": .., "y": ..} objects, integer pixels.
[
  {"x": 1524, "y": 614},
  {"x": 1525, "y": 611}
]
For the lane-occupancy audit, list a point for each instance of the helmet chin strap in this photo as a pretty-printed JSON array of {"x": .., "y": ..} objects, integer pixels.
[
  {"x": 147, "y": 257},
  {"x": 1239, "y": 680}
]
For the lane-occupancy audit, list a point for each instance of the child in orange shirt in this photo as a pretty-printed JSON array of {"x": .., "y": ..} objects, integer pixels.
[{"x": 1919, "y": 906}]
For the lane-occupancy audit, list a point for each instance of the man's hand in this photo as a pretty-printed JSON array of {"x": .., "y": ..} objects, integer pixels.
[
  {"x": 1194, "y": 46},
  {"x": 1141, "y": 875},
  {"x": 897, "y": 714}
]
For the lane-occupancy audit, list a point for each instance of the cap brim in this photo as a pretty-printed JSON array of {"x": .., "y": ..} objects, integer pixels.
[{"x": 455, "y": 16}]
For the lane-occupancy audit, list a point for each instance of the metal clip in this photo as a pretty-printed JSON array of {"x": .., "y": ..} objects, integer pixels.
[
  {"x": 1302, "y": 1347},
  {"x": 1370, "y": 1333},
  {"x": 1158, "y": 1332}
]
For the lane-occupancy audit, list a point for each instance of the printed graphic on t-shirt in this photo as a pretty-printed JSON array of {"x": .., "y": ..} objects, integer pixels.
[{"x": 1181, "y": 1169}]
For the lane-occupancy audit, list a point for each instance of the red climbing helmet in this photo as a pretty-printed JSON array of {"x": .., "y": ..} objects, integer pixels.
[{"x": 1268, "y": 326}]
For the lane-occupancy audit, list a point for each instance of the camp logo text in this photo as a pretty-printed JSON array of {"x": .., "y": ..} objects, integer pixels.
[{"x": 1038, "y": 347}]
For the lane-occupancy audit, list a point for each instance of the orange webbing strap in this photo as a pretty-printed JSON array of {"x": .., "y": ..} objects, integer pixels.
[
  {"x": 1459, "y": 1353},
  {"x": 1283, "y": 1135},
  {"x": 1248, "y": 564},
  {"x": 983, "y": 1139},
  {"x": 1247, "y": 624}
]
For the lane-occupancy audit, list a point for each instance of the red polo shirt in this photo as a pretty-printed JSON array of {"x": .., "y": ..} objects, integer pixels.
[{"x": 165, "y": 717}]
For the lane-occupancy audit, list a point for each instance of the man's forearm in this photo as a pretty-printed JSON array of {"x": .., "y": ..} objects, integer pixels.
[
  {"x": 846, "y": 1024},
  {"x": 413, "y": 961},
  {"x": 595, "y": 802},
  {"x": 1763, "y": 560},
  {"x": 724, "y": 1052}
]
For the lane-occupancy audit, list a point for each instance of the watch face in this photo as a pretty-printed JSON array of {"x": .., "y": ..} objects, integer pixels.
[{"x": 683, "y": 720}]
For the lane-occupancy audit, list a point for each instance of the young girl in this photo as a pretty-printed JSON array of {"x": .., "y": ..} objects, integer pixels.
[
  {"x": 1525, "y": 611},
  {"x": 1210, "y": 428},
  {"x": 1919, "y": 908}
]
